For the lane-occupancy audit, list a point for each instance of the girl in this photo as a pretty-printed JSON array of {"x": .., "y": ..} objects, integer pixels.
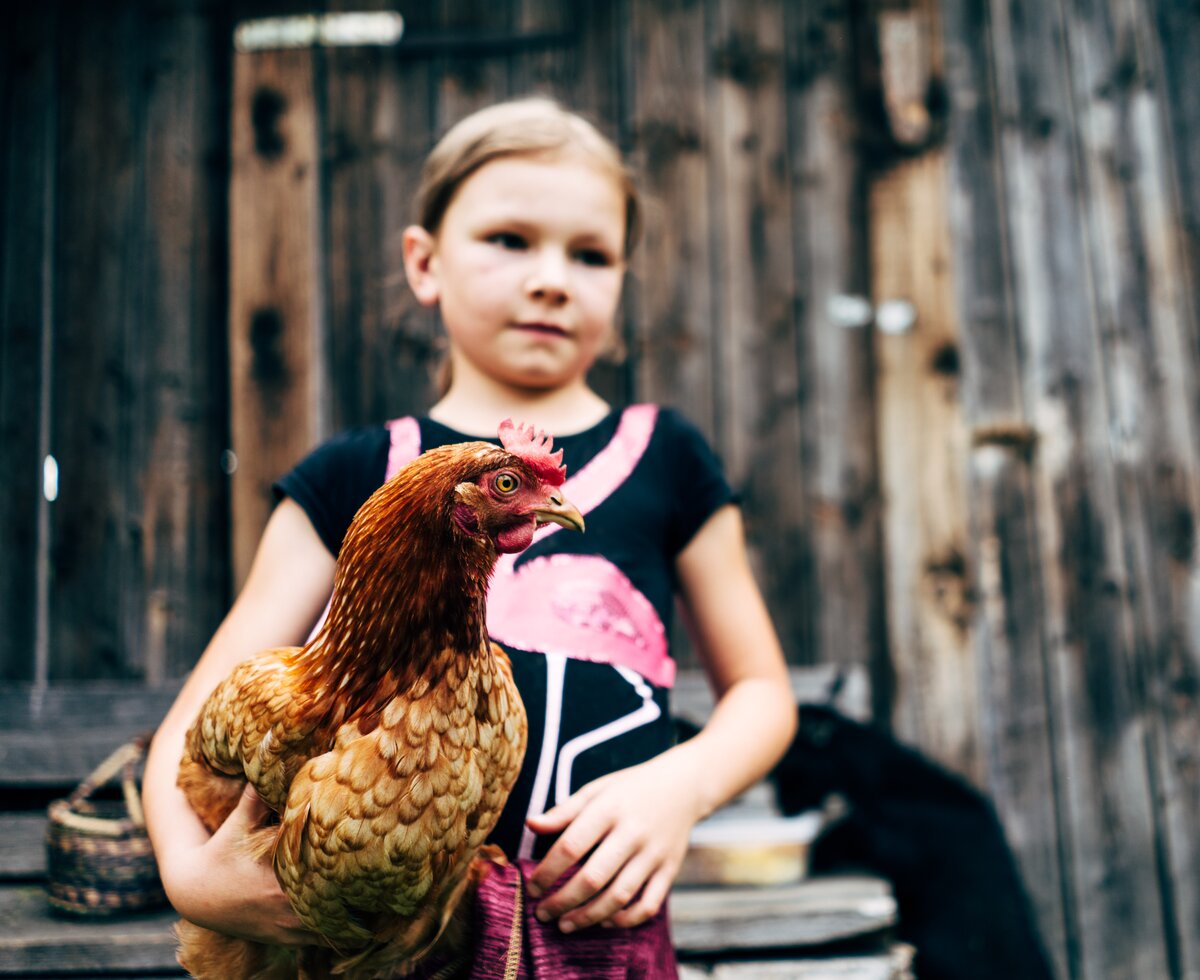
[{"x": 526, "y": 216}]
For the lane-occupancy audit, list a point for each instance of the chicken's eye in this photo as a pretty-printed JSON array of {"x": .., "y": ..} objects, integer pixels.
[{"x": 506, "y": 483}]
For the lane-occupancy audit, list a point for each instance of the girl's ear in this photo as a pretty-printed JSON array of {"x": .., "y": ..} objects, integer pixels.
[{"x": 418, "y": 264}]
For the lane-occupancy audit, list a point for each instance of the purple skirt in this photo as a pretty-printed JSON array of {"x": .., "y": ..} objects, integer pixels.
[{"x": 644, "y": 952}]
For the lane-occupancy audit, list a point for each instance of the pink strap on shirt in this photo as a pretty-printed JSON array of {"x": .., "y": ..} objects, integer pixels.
[
  {"x": 590, "y": 610},
  {"x": 405, "y": 447}
]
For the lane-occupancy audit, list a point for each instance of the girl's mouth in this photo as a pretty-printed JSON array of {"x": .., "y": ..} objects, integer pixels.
[{"x": 545, "y": 329}]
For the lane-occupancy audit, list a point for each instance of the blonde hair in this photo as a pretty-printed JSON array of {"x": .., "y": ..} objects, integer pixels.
[{"x": 521, "y": 127}]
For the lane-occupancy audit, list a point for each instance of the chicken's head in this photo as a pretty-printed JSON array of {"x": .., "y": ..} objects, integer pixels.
[{"x": 519, "y": 490}]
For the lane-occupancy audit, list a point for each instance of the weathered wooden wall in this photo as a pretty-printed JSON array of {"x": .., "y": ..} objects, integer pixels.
[
  {"x": 1039, "y": 430},
  {"x": 113, "y": 243},
  {"x": 924, "y": 270}
]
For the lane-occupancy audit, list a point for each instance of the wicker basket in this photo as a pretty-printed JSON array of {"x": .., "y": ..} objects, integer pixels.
[{"x": 98, "y": 856}]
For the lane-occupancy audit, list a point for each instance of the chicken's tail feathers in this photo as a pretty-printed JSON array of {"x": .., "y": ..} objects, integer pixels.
[
  {"x": 443, "y": 943},
  {"x": 208, "y": 955}
]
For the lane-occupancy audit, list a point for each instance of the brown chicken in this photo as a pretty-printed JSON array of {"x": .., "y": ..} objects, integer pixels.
[{"x": 389, "y": 743}]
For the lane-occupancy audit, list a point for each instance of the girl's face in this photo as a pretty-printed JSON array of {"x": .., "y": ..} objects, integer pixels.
[{"x": 527, "y": 268}]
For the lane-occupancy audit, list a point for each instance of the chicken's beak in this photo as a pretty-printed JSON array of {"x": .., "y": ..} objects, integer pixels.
[{"x": 559, "y": 510}]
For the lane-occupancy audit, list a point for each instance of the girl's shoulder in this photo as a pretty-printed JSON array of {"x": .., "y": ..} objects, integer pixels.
[
  {"x": 333, "y": 480},
  {"x": 683, "y": 444}
]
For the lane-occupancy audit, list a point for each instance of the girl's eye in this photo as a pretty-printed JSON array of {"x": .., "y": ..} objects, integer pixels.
[
  {"x": 508, "y": 239},
  {"x": 506, "y": 483},
  {"x": 595, "y": 257}
]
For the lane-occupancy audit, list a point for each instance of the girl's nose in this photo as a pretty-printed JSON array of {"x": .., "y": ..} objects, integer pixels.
[{"x": 548, "y": 279}]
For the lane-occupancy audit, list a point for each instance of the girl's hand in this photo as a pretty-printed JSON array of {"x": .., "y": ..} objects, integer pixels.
[
  {"x": 222, "y": 887},
  {"x": 633, "y": 828}
]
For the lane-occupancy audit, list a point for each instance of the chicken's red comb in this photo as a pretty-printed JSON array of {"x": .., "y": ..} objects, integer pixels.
[{"x": 534, "y": 448}]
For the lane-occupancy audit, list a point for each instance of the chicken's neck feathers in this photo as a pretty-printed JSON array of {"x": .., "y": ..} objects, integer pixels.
[{"x": 409, "y": 587}]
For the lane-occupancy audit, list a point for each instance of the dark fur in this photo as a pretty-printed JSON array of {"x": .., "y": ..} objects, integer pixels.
[{"x": 937, "y": 840}]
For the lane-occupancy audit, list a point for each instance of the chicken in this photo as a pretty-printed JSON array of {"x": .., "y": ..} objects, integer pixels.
[{"x": 389, "y": 743}]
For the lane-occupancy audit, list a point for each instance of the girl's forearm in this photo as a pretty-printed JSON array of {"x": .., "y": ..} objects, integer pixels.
[{"x": 749, "y": 730}]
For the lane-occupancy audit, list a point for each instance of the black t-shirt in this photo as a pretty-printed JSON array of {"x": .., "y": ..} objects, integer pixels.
[{"x": 584, "y": 617}]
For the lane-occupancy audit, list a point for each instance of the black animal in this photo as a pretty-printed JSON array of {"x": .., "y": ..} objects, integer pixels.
[{"x": 961, "y": 901}]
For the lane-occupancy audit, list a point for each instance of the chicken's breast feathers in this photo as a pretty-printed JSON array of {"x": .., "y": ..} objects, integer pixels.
[{"x": 379, "y": 832}]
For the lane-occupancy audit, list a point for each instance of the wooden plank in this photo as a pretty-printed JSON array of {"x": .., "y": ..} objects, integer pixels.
[
  {"x": 183, "y": 523},
  {"x": 410, "y": 344},
  {"x": 84, "y": 707},
  {"x": 473, "y": 80},
  {"x": 59, "y": 762},
  {"x": 37, "y": 941},
  {"x": 99, "y": 383},
  {"x": 1010, "y": 649},
  {"x": 28, "y": 125},
  {"x": 758, "y": 375},
  {"x": 892, "y": 964},
  {"x": 1011, "y": 632},
  {"x": 551, "y": 69},
  {"x": 920, "y": 418},
  {"x": 376, "y": 129},
  {"x": 54, "y": 737},
  {"x": 976, "y": 215},
  {"x": 812, "y": 912},
  {"x": 837, "y": 572},
  {"x": 278, "y": 372},
  {"x": 1170, "y": 35},
  {"x": 22, "y": 846},
  {"x": 1147, "y": 329},
  {"x": 354, "y": 141},
  {"x": 671, "y": 291}
]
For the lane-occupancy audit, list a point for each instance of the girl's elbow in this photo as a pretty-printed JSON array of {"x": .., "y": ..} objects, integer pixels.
[{"x": 784, "y": 716}]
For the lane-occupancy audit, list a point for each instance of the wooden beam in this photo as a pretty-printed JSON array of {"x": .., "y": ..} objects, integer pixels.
[
  {"x": 383, "y": 346},
  {"x": 278, "y": 373},
  {"x": 184, "y": 587},
  {"x": 27, "y": 161},
  {"x": 839, "y": 568}
]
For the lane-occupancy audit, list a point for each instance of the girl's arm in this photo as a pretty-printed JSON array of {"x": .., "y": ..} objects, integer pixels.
[
  {"x": 636, "y": 822},
  {"x": 210, "y": 880}
]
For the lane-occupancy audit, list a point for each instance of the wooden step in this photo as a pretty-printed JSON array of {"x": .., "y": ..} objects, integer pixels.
[
  {"x": 22, "y": 846},
  {"x": 53, "y": 737},
  {"x": 894, "y": 963},
  {"x": 705, "y": 921},
  {"x": 813, "y": 912},
  {"x": 39, "y": 941}
]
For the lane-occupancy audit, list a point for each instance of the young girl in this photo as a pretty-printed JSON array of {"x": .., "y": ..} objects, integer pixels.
[{"x": 526, "y": 215}]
